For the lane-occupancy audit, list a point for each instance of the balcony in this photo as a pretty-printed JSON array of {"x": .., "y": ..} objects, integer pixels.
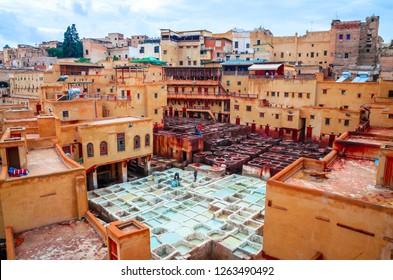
[
  {"x": 244, "y": 95},
  {"x": 196, "y": 94},
  {"x": 106, "y": 97}
]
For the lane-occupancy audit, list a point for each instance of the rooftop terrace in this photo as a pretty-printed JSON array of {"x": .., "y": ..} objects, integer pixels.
[
  {"x": 45, "y": 161},
  {"x": 350, "y": 177},
  {"x": 72, "y": 240}
]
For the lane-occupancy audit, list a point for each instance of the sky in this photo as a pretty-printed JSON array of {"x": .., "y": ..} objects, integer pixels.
[{"x": 32, "y": 22}]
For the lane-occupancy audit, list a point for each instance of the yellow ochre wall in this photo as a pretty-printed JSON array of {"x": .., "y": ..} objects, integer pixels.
[{"x": 295, "y": 233}]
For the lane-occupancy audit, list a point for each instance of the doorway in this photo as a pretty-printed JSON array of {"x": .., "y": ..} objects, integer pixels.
[
  {"x": 13, "y": 157},
  {"x": 302, "y": 136}
]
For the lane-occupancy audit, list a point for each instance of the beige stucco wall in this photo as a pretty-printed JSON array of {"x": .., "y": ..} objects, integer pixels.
[
  {"x": 297, "y": 233},
  {"x": 95, "y": 134}
]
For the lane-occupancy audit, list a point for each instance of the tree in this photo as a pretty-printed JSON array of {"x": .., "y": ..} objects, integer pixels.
[
  {"x": 72, "y": 45},
  {"x": 55, "y": 52}
]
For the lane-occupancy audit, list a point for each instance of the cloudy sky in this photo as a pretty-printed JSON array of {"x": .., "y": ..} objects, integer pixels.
[{"x": 33, "y": 21}]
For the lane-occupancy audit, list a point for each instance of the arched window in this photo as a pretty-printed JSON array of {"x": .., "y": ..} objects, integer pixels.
[
  {"x": 137, "y": 142},
  {"x": 103, "y": 148},
  {"x": 90, "y": 150},
  {"x": 147, "y": 140}
]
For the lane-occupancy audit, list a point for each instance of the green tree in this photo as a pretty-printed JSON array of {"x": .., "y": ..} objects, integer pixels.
[
  {"x": 72, "y": 45},
  {"x": 55, "y": 52}
]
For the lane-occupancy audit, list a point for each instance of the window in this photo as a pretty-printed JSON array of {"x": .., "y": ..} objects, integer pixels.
[
  {"x": 327, "y": 121},
  {"x": 286, "y": 94},
  {"x": 164, "y": 51},
  {"x": 137, "y": 142},
  {"x": 87, "y": 52},
  {"x": 239, "y": 83},
  {"x": 348, "y": 36},
  {"x": 65, "y": 114},
  {"x": 290, "y": 118},
  {"x": 103, "y": 148},
  {"x": 325, "y": 53},
  {"x": 312, "y": 54},
  {"x": 312, "y": 117},
  {"x": 261, "y": 115},
  {"x": 258, "y": 42},
  {"x": 194, "y": 62},
  {"x": 248, "y": 108},
  {"x": 277, "y": 116},
  {"x": 228, "y": 83},
  {"x": 142, "y": 50},
  {"x": 189, "y": 63},
  {"x": 98, "y": 90},
  {"x": 147, "y": 140},
  {"x": 293, "y": 94},
  {"x": 324, "y": 91},
  {"x": 343, "y": 92},
  {"x": 308, "y": 95},
  {"x": 273, "y": 93},
  {"x": 156, "y": 95},
  {"x": 359, "y": 95},
  {"x": 300, "y": 95},
  {"x": 339, "y": 55},
  {"x": 90, "y": 150},
  {"x": 346, "y": 55},
  {"x": 340, "y": 37},
  {"x": 121, "y": 142},
  {"x": 180, "y": 62},
  {"x": 282, "y": 55},
  {"x": 248, "y": 45},
  {"x": 390, "y": 93},
  {"x": 236, "y": 107},
  {"x": 156, "y": 49},
  {"x": 346, "y": 122},
  {"x": 155, "y": 112},
  {"x": 236, "y": 44},
  {"x": 138, "y": 95}
]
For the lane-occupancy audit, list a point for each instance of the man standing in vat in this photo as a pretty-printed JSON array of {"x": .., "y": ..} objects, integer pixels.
[{"x": 195, "y": 175}]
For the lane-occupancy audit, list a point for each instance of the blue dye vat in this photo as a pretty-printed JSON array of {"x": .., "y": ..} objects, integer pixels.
[
  {"x": 154, "y": 242},
  {"x": 170, "y": 237}
]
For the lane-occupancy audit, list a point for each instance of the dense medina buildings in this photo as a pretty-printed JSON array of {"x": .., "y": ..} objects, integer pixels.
[{"x": 75, "y": 134}]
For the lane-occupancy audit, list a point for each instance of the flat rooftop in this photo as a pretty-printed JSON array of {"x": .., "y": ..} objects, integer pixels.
[
  {"x": 228, "y": 211},
  {"x": 369, "y": 140},
  {"x": 380, "y": 130},
  {"x": 45, "y": 161},
  {"x": 349, "y": 177},
  {"x": 71, "y": 240},
  {"x": 115, "y": 120}
]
